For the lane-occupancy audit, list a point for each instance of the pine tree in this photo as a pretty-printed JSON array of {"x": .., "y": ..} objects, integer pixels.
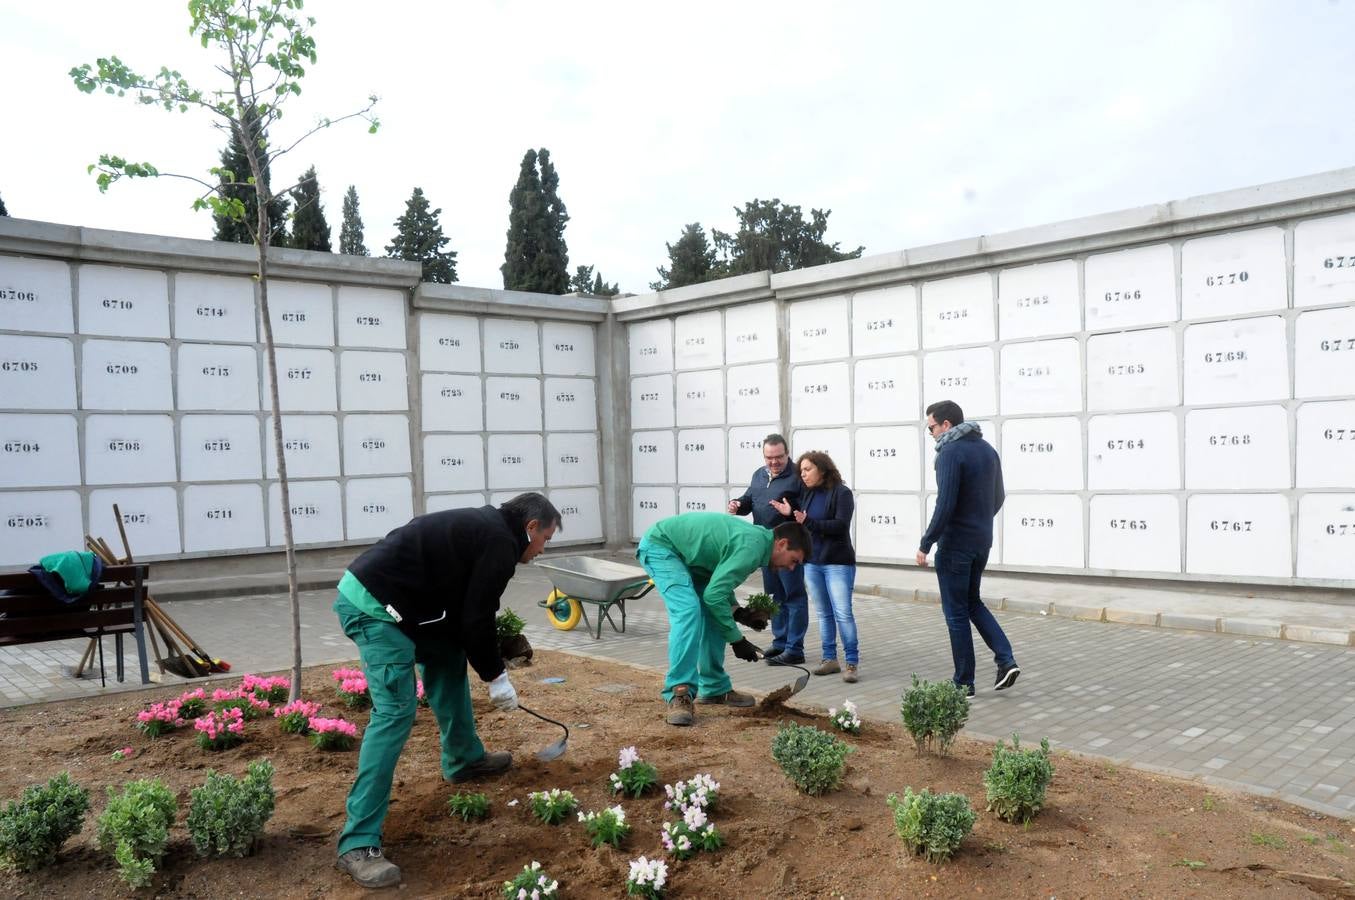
[
  {"x": 235, "y": 186},
  {"x": 419, "y": 238},
  {"x": 775, "y": 237},
  {"x": 3, "y": 211},
  {"x": 536, "y": 257},
  {"x": 691, "y": 261},
  {"x": 350, "y": 233},
  {"x": 310, "y": 231}
]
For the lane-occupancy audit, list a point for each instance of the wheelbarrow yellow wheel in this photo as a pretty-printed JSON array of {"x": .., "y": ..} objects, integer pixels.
[{"x": 564, "y": 612}]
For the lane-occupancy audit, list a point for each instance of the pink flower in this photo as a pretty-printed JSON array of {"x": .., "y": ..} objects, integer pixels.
[
  {"x": 305, "y": 707},
  {"x": 341, "y": 674},
  {"x": 336, "y": 726}
]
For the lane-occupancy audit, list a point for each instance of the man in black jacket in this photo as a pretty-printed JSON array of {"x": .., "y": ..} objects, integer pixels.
[
  {"x": 774, "y": 481},
  {"x": 428, "y": 594}
]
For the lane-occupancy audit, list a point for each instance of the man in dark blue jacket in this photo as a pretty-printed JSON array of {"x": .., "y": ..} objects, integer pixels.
[
  {"x": 969, "y": 494},
  {"x": 774, "y": 481}
]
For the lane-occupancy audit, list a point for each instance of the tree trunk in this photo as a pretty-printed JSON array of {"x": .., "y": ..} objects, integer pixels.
[{"x": 262, "y": 241}]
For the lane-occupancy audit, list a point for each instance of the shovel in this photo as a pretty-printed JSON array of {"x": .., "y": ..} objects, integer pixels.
[
  {"x": 799, "y": 684},
  {"x": 557, "y": 749}
]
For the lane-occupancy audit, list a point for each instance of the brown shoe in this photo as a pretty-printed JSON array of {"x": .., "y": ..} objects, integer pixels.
[
  {"x": 828, "y": 667},
  {"x": 849, "y": 674},
  {"x": 728, "y": 698},
  {"x": 369, "y": 868},
  {"x": 680, "y": 710},
  {"x": 493, "y": 762}
]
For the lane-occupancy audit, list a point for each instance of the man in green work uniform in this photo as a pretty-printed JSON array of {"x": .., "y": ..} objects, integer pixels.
[
  {"x": 696, "y": 561},
  {"x": 428, "y": 594}
]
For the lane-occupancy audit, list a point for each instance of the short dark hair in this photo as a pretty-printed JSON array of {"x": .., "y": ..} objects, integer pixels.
[
  {"x": 531, "y": 505},
  {"x": 796, "y": 537},
  {"x": 946, "y": 411},
  {"x": 824, "y": 463},
  {"x": 775, "y": 438}
]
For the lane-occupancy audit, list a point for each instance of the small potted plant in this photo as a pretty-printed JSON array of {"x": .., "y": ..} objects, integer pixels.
[
  {"x": 513, "y": 644},
  {"x": 761, "y": 608}
]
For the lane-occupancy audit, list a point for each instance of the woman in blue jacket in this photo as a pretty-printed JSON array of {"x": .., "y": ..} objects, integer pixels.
[{"x": 825, "y": 506}]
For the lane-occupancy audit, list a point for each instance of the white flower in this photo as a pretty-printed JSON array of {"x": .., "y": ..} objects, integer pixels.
[
  {"x": 535, "y": 865},
  {"x": 832, "y": 712},
  {"x": 683, "y": 842},
  {"x": 658, "y": 869},
  {"x": 522, "y": 894},
  {"x": 585, "y": 818},
  {"x": 513, "y": 802},
  {"x": 629, "y": 756},
  {"x": 619, "y": 813},
  {"x": 695, "y": 817}
]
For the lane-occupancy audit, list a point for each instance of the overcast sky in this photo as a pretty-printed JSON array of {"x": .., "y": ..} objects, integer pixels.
[{"x": 914, "y": 122}]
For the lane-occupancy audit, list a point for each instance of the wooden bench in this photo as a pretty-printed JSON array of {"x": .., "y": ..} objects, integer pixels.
[{"x": 30, "y": 615}]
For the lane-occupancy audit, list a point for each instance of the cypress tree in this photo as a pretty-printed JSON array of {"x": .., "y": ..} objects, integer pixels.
[
  {"x": 419, "y": 238},
  {"x": 3, "y": 211},
  {"x": 310, "y": 231},
  {"x": 552, "y": 263},
  {"x": 235, "y": 185},
  {"x": 350, "y": 233},
  {"x": 536, "y": 257}
]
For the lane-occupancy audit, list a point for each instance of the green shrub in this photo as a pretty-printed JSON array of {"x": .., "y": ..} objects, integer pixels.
[
  {"x": 468, "y": 806},
  {"x": 931, "y": 825},
  {"x": 226, "y": 816},
  {"x": 1017, "y": 780},
  {"x": 33, "y": 828},
  {"x": 135, "y": 828},
  {"x": 811, "y": 758},
  {"x": 763, "y": 605},
  {"x": 934, "y": 712},
  {"x": 508, "y": 624}
]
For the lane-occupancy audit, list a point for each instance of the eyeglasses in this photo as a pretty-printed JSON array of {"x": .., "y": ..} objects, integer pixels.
[{"x": 931, "y": 428}]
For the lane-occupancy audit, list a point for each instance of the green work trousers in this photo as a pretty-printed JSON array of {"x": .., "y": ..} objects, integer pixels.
[
  {"x": 388, "y": 658},
  {"x": 696, "y": 647}
]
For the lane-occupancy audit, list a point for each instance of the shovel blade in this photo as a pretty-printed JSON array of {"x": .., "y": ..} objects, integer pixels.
[
  {"x": 800, "y": 683},
  {"x": 553, "y": 751}
]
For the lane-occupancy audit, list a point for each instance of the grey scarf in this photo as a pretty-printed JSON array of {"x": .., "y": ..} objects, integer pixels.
[{"x": 954, "y": 434}]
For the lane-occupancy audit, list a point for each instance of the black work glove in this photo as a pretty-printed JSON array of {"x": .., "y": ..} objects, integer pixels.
[
  {"x": 744, "y": 650},
  {"x": 745, "y": 616}
]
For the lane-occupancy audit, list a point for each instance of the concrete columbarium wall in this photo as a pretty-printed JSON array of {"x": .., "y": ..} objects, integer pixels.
[
  {"x": 1169, "y": 386},
  {"x": 132, "y": 372}
]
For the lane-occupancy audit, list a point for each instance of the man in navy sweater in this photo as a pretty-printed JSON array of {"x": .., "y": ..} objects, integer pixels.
[
  {"x": 969, "y": 494},
  {"x": 774, "y": 481}
]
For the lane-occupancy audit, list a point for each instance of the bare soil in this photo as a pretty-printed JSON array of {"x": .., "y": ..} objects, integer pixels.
[{"x": 1104, "y": 831}]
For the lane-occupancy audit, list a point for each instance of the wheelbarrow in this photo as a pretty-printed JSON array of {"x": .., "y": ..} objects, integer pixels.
[{"x": 580, "y": 580}]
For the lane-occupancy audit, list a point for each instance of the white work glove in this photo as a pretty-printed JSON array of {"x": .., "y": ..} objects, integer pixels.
[{"x": 501, "y": 693}]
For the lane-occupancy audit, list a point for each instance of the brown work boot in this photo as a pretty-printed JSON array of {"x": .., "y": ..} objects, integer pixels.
[
  {"x": 680, "y": 710},
  {"x": 369, "y": 868},
  {"x": 849, "y": 674},
  {"x": 492, "y": 763},
  {"x": 728, "y": 698},
  {"x": 828, "y": 667}
]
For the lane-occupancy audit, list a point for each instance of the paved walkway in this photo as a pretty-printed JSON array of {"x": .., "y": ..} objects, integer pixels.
[{"x": 1273, "y": 717}]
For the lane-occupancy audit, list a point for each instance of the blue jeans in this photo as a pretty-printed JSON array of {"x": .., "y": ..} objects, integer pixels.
[
  {"x": 830, "y": 587},
  {"x": 958, "y": 573},
  {"x": 696, "y": 646},
  {"x": 792, "y": 619}
]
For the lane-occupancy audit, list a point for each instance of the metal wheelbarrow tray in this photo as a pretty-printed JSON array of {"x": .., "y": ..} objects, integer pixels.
[{"x": 580, "y": 580}]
